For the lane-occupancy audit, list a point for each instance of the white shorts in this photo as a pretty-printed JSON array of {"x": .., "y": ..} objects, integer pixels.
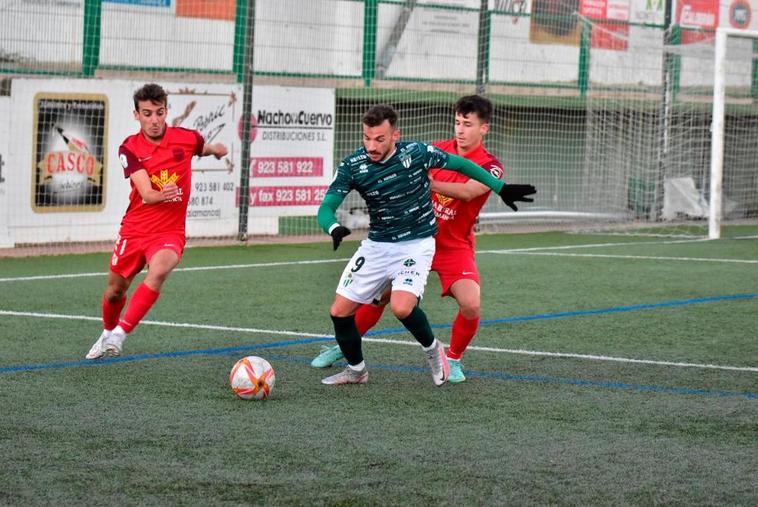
[{"x": 376, "y": 265}]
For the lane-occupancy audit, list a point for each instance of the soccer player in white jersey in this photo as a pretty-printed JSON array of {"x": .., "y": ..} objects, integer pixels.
[{"x": 392, "y": 177}]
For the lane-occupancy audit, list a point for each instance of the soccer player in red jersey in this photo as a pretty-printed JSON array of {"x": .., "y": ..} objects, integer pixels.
[
  {"x": 457, "y": 202},
  {"x": 157, "y": 161}
]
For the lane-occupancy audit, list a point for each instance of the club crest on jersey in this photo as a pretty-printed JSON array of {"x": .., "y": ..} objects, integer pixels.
[
  {"x": 406, "y": 159},
  {"x": 178, "y": 154},
  {"x": 164, "y": 179}
]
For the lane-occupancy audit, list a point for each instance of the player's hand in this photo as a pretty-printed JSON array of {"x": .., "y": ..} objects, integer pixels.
[
  {"x": 337, "y": 234},
  {"x": 170, "y": 191},
  {"x": 511, "y": 193},
  {"x": 219, "y": 150}
]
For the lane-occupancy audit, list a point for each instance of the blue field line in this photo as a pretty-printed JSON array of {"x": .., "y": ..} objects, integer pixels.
[
  {"x": 162, "y": 355},
  {"x": 581, "y": 313},
  {"x": 496, "y": 375},
  {"x": 230, "y": 351}
]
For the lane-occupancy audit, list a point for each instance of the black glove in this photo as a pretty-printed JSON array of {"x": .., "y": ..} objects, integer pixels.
[
  {"x": 337, "y": 234},
  {"x": 511, "y": 193}
]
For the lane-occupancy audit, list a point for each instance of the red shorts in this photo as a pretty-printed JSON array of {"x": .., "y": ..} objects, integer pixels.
[
  {"x": 454, "y": 265},
  {"x": 131, "y": 253}
]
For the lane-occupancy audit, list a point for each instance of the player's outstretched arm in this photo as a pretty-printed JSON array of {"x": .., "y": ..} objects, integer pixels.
[
  {"x": 218, "y": 150},
  {"x": 508, "y": 193},
  {"x": 327, "y": 219},
  {"x": 464, "y": 191},
  {"x": 145, "y": 188}
]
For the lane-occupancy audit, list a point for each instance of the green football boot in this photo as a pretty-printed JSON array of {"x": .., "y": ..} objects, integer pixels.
[
  {"x": 456, "y": 371},
  {"x": 327, "y": 357}
]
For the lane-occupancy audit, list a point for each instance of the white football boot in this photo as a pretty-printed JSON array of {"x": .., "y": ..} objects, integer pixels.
[
  {"x": 97, "y": 348},
  {"x": 110, "y": 344}
]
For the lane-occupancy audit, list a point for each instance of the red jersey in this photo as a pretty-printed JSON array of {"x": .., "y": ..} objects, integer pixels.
[
  {"x": 167, "y": 162},
  {"x": 456, "y": 218}
]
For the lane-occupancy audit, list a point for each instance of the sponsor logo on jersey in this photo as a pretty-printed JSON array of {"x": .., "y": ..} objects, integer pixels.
[
  {"x": 443, "y": 199},
  {"x": 409, "y": 262},
  {"x": 387, "y": 178}
]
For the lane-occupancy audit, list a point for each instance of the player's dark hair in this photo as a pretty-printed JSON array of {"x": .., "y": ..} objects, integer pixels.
[
  {"x": 152, "y": 92},
  {"x": 376, "y": 115},
  {"x": 474, "y": 104}
]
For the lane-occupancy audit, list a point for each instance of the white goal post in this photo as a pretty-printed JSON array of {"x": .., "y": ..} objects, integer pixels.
[{"x": 717, "y": 126}]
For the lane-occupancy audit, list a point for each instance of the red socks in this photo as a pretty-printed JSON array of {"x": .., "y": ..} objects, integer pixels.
[
  {"x": 112, "y": 312},
  {"x": 142, "y": 300},
  {"x": 462, "y": 334},
  {"x": 367, "y": 316}
]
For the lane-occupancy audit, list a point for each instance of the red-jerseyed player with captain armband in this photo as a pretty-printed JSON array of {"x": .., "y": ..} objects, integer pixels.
[{"x": 157, "y": 161}]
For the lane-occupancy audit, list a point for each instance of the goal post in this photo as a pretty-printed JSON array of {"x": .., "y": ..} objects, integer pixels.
[
  {"x": 717, "y": 125},
  {"x": 671, "y": 150}
]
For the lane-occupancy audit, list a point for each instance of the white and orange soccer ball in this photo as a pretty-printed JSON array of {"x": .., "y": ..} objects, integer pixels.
[{"x": 252, "y": 378}]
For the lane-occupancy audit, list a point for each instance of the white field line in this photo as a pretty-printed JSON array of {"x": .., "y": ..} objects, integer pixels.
[
  {"x": 196, "y": 268},
  {"x": 164, "y": 324},
  {"x": 594, "y": 245},
  {"x": 395, "y": 342},
  {"x": 635, "y": 257},
  {"x": 327, "y": 261}
]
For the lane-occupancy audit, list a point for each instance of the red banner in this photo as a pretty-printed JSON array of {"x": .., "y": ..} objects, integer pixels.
[
  {"x": 208, "y": 9},
  {"x": 696, "y": 16},
  {"x": 284, "y": 167},
  {"x": 286, "y": 196},
  {"x": 614, "y": 36}
]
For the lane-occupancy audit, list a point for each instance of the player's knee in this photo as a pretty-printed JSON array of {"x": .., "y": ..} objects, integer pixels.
[
  {"x": 401, "y": 309},
  {"x": 470, "y": 312},
  {"x": 336, "y": 312},
  {"x": 114, "y": 293}
]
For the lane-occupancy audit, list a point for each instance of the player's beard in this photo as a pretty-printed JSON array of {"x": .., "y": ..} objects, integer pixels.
[
  {"x": 378, "y": 156},
  {"x": 156, "y": 134}
]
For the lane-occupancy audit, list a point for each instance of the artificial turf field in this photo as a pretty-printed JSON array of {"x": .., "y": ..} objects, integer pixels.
[{"x": 608, "y": 370}]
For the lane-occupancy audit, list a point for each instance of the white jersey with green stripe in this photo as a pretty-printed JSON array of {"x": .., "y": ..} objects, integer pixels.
[{"x": 396, "y": 190}]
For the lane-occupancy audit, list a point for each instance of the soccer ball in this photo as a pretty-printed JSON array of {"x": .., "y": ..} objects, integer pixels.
[{"x": 252, "y": 378}]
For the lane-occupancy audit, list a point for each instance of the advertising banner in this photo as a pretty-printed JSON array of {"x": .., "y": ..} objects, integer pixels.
[
  {"x": 555, "y": 22},
  {"x": 614, "y": 36},
  {"x": 292, "y": 145},
  {"x": 70, "y": 144},
  {"x": 651, "y": 12},
  {"x": 208, "y": 9},
  {"x": 214, "y": 110},
  {"x": 739, "y": 14},
  {"x": 698, "y": 19}
]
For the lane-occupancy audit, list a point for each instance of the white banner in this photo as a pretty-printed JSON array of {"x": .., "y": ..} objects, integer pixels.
[
  {"x": 291, "y": 154},
  {"x": 214, "y": 110},
  {"x": 66, "y": 183}
]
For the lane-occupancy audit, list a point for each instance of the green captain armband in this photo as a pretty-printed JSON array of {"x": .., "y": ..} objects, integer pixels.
[{"x": 473, "y": 171}]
